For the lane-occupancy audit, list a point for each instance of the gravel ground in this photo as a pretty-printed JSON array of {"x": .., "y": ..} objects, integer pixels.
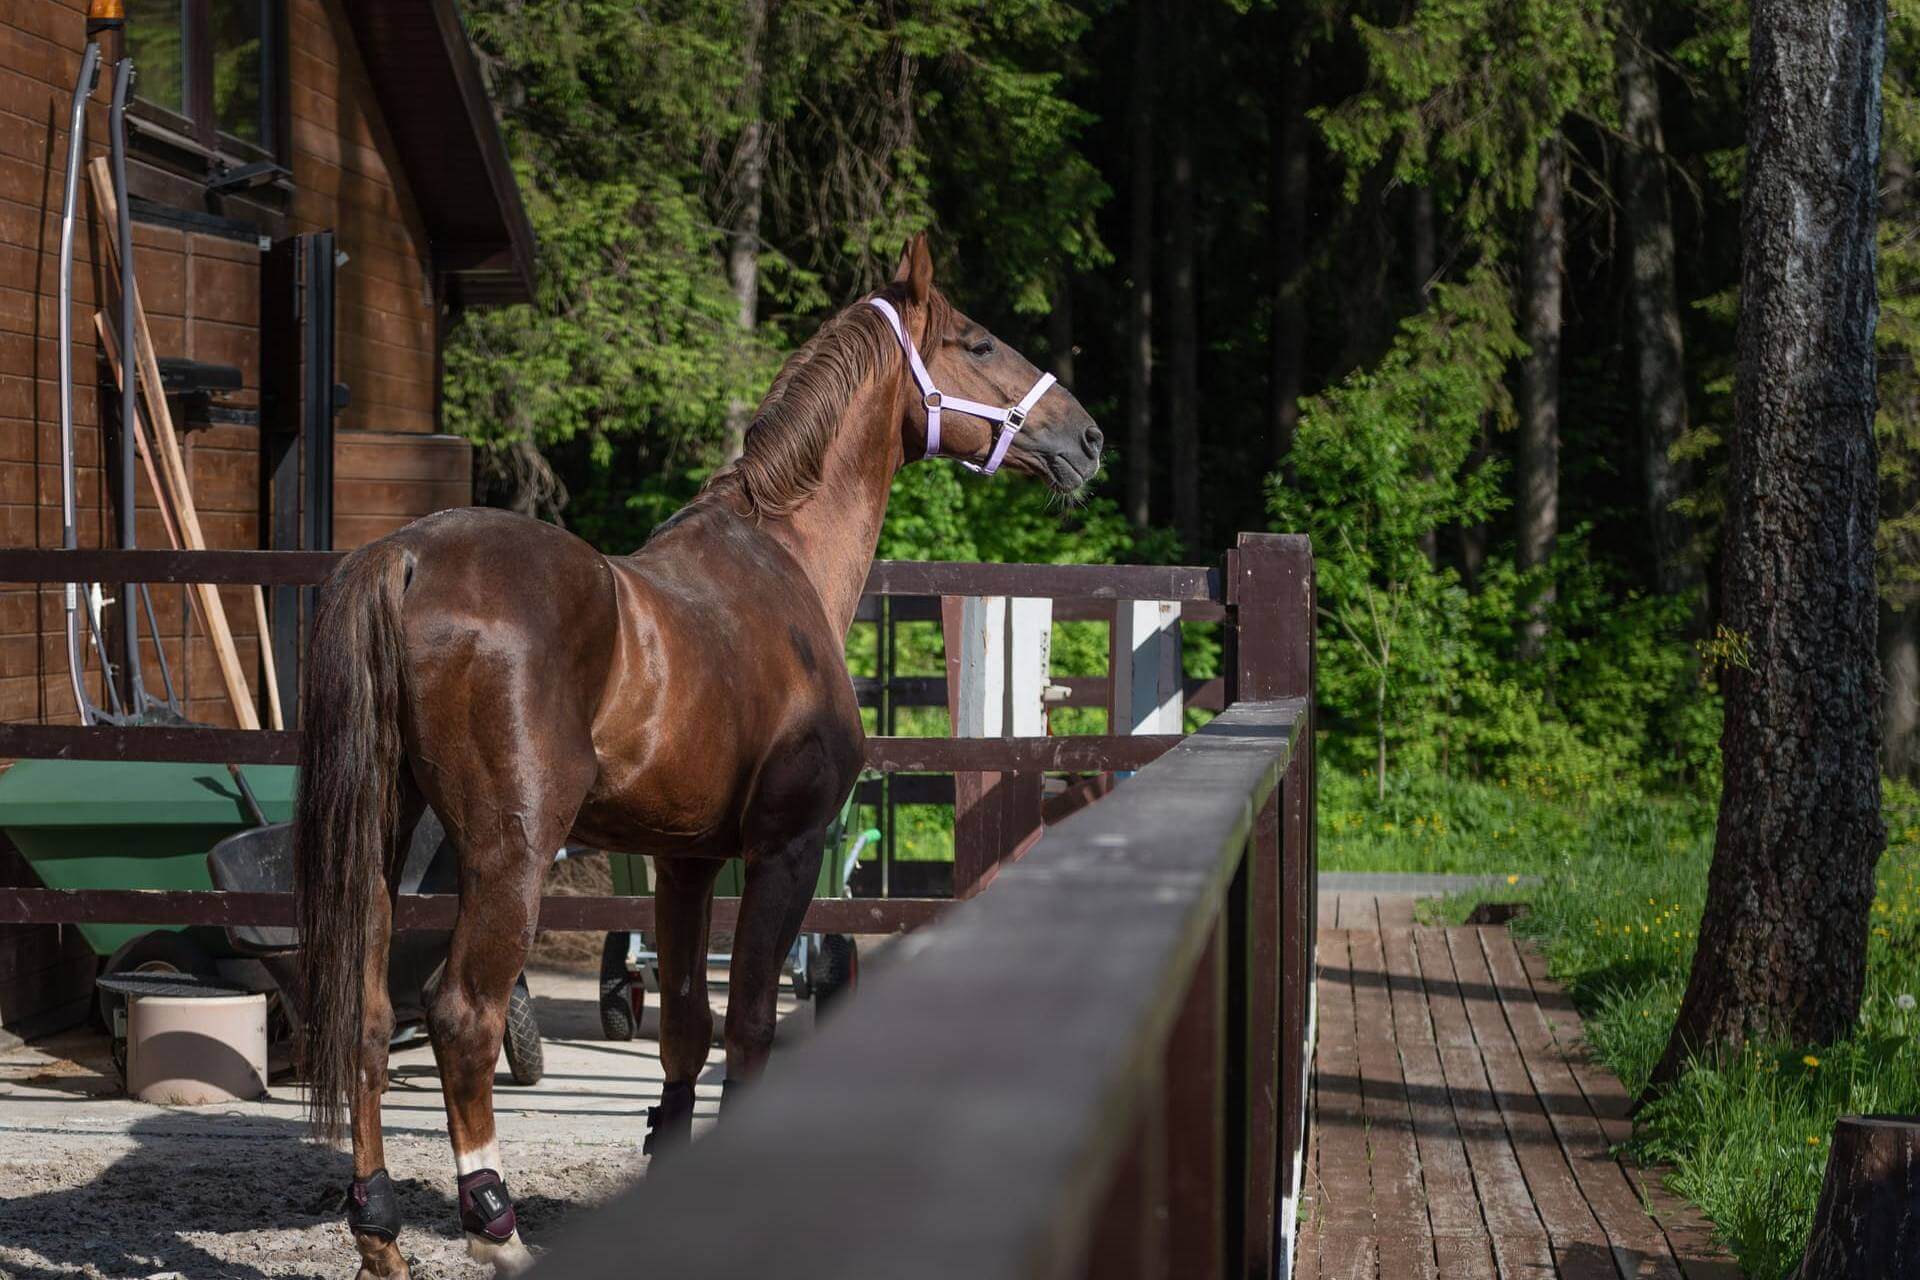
[{"x": 96, "y": 1185}]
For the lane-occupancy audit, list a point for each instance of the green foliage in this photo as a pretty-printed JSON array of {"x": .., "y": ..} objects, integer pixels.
[
  {"x": 606, "y": 397},
  {"x": 1461, "y": 93},
  {"x": 1378, "y": 464}
]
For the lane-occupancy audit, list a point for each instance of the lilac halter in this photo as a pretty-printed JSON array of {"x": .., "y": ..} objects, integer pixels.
[{"x": 1009, "y": 420}]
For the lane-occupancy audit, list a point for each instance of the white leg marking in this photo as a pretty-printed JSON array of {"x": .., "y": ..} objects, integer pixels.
[
  {"x": 487, "y": 1157},
  {"x": 508, "y": 1259}
]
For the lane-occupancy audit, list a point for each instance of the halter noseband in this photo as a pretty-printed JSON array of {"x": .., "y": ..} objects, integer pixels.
[{"x": 1009, "y": 421}]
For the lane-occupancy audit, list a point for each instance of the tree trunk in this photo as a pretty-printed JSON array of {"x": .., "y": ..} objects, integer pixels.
[
  {"x": 1290, "y": 189},
  {"x": 1653, "y": 306},
  {"x": 1539, "y": 469},
  {"x": 1183, "y": 318},
  {"x": 748, "y": 178},
  {"x": 1060, "y": 329},
  {"x": 1140, "y": 266},
  {"x": 1867, "y": 1224},
  {"x": 1900, "y": 669},
  {"x": 1423, "y": 261},
  {"x": 1782, "y": 950}
]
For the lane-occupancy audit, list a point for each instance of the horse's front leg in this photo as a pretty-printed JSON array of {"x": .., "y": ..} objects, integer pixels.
[{"x": 780, "y": 884}]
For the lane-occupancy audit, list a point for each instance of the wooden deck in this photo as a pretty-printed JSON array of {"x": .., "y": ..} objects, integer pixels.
[{"x": 1460, "y": 1130}]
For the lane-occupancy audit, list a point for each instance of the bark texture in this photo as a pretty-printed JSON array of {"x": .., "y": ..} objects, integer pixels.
[
  {"x": 1539, "y": 461},
  {"x": 745, "y": 196},
  {"x": 1140, "y": 267},
  {"x": 1867, "y": 1224},
  {"x": 1782, "y": 950},
  {"x": 1659, "y": 352}
]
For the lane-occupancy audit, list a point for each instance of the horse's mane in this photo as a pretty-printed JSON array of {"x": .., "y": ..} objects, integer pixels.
[{"x": 786, "y": 446}]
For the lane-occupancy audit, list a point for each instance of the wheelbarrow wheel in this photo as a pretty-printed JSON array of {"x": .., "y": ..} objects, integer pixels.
[
  {"x": 622, "y": 994},
  {"x": 526, "y": 1058},
  {"x": 836, "y": 971}
]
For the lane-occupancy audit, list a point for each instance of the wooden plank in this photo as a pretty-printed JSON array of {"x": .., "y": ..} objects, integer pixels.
[
  {"x": 425, "y": 911},
  {"x": 1054, "y": 581},
  {"x": 1505, "y": 1205},
  {"x": 1032, "y": 1013},
  {"x": 1453, "y": 1210},
  {"x": 1399, "y": 1209},
  {"x": 1396, "y": 910},
  {"x": 1564, "y": 1211},
  {"x": 1088, "y": 754},
  {"x": 1582, "y": 1142},
  {"x": 1688, "y": 1235},
  {"x": 1344, "y": 1195},
  {"x": 180, "y": 491}
]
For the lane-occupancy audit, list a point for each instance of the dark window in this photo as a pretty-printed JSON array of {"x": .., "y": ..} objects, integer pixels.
[{"x": 210, "y": 70}]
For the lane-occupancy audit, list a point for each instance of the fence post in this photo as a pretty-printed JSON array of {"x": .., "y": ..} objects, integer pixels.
[{"x": 1270, "y": 585}]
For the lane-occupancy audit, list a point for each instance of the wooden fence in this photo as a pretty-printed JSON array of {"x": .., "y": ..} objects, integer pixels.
[
  {"x": 1129, "y": 1030},
  {"x": 1072, "y": 1075}
]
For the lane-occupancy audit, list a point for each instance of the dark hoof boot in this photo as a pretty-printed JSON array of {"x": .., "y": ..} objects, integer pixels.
[{"x": 670, "y": 1125}]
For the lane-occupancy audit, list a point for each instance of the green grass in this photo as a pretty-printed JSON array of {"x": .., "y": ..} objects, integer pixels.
[
  {"x": 1531, "y": 823},
  {"x": 1618, "y": 914}
]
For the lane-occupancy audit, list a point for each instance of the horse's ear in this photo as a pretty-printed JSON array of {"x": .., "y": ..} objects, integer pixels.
[{"x": 916, "y": 270}]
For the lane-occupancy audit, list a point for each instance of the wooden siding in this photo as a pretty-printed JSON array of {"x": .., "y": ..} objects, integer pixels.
[{"x": 202, "y": 294}]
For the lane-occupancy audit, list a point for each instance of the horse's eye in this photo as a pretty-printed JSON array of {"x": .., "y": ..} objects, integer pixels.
[{"x": 984, "y": 347}]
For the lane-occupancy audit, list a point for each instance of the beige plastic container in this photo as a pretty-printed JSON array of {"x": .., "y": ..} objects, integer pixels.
[{"x": 191, "y": 1050}]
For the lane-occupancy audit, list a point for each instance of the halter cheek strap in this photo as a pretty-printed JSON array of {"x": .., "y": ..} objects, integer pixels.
[{"x": 1009, "y": 421}]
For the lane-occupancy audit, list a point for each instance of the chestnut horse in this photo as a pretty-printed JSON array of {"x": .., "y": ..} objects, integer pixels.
[{"x": 689, "y": 701}]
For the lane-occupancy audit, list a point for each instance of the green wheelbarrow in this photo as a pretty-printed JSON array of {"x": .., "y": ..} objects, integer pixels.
[{"x": 823, "y": 966}]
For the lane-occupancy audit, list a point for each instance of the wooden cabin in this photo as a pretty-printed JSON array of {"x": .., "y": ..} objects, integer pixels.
[{"x": 289, "y": 161}]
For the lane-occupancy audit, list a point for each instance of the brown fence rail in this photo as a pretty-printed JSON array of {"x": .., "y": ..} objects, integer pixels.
[{"x": 1070, "y": 1075}]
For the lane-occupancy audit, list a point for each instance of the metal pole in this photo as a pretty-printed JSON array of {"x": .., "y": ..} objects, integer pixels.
[
  {"x": 129, "y": 538},
  {"x": 69, "y": 533}
]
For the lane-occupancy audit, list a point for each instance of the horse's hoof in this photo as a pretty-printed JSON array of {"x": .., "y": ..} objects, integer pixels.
[
  {"x": 509, "y": 1257},
  {"x": 380, "y": 1259}
]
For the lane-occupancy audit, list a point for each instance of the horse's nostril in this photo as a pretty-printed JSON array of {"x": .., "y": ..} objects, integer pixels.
[{"x": 1093, "y": 439}]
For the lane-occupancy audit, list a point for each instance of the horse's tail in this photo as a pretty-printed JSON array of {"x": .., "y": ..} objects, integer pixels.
[{"x": 344, "y": 819}]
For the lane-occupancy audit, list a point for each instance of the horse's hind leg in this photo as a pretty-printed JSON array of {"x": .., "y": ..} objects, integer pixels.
[
  {"x": 780, "y": 883},
  {"x": 504, "y": 855},
  {"x": 682, "y": 897},
  {"x": 373, "y": 1210}
]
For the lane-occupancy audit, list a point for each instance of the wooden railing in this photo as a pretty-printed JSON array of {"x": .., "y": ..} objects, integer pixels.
[
  {"x": 1127, "y": 1031},
  {"x": 1071, "y": 1075}
]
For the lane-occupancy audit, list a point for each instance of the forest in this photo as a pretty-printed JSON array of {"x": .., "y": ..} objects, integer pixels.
[{"x": 1452, "y": 287}]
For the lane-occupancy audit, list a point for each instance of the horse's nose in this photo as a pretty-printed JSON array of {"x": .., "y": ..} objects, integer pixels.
[{"x": 1091, "y": 439}]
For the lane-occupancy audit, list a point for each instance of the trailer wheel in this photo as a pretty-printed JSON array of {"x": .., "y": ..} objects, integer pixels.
[
  {"x": 526, "y": 1057},
  {"x": 622, "y": 994},
  {"x": 836, "y": 971}
]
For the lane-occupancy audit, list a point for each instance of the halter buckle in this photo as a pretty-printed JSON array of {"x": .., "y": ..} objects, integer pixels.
[
  {"x": 931, "y": 400},
  {"x": 1016, "y": 418}
]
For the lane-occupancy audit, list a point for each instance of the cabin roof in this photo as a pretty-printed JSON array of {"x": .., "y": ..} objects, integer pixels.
[{"x": 428, "y": 82}]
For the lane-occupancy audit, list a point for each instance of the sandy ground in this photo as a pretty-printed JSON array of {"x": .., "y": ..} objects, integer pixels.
[{"x": 93, "y": 1184}]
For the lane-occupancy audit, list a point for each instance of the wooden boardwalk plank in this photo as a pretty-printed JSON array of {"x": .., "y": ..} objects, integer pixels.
[
  {"x": 1452, "y": 1207},
  {"x": 1505, "y": 1203},
  {"x": 1569, "y": 1219},
  {"x": 1345, "y": 1191},
  {"x": 1463, "y": 1127},
  {"x": 1688, "y": 1235},
  {"x": 1641, "y": 1249},
  {"x": 1398, "y": 1208}
]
